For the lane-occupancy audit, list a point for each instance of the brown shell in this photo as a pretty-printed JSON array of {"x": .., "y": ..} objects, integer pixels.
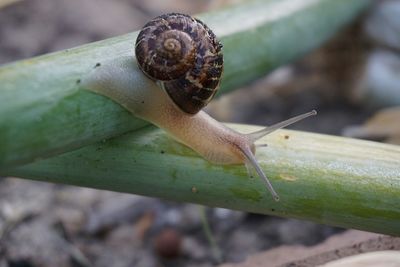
[{"x": 184, "y": 55}]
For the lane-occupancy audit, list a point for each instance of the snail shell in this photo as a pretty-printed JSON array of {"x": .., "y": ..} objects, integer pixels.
[{"x": 184, "y": 56}]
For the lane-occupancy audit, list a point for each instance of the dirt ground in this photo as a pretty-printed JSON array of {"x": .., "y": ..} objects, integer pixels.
[{"x": 54, "y": 225}]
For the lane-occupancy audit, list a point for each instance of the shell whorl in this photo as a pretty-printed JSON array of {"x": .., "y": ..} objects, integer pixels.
[{"x": 184, "y": 56}]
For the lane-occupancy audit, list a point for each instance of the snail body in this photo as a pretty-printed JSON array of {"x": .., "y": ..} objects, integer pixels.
[
  {"x": 183, "y": 60},
  {"x": 148, "y": 102}
]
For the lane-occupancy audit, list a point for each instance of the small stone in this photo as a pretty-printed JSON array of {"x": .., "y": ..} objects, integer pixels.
[{"x": 168, "y": 243}]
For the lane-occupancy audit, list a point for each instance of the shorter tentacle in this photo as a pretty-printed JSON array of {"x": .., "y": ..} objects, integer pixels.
[{"x": 251, "y": 160}]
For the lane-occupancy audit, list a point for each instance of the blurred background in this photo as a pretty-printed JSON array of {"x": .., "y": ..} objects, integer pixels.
[{"x": 353, "y": 81}]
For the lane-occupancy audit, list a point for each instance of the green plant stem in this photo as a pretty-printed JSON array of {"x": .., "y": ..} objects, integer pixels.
[
  {"x": 44, "y": 111},
  {"x": 331, "y": 180},
  {"x": 216, "y": 252}
]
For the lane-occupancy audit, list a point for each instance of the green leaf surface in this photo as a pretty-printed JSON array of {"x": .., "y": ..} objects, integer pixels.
[{"x": 331, "y": 180}]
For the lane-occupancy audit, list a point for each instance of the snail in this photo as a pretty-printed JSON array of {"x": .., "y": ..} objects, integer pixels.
[{"x": 183, "y": 60}]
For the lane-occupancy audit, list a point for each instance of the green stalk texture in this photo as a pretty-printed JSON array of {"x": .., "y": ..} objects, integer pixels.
[
  {"x": 330, "y": 180},
  {"x": 44, "y": 110}
]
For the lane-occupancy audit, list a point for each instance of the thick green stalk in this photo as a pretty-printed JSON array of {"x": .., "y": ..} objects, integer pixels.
[
  {"x": 44, "y": 110},
  {"x": 331, "y": 180}
]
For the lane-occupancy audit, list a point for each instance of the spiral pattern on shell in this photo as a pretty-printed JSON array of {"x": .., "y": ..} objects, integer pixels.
[{"x": 184, "y": 56}]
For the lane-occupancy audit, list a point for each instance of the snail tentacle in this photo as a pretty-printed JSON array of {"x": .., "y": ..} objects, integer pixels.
[
  {"x": 269, "y": 129},
  {"x": 252, "y": 161}
]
